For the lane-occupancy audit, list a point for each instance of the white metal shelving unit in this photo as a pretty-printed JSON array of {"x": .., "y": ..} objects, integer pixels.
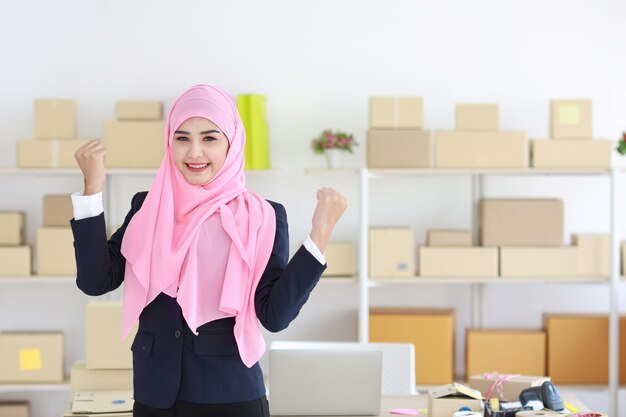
[{"x": 477, "y": 284}]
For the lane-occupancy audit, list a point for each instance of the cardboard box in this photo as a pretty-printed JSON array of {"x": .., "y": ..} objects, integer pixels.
[
  {"x": 449, "y": 238},
  {"x": 341, "y": 259},
  {"x": 12, "y": 228},
  {"x": 31, "y": 357},
  {"x": 585, "y": 154},
  {"x": 506, "y": 352},
  {"x": 516, "y": 222},
  {"x": 98, "y": 402},
  {"x": 15, "y": 261},
  {"x": 446, "y": 400},
  {"x": 570, "y": 119},
  {"x": 399, "y": 149},
  {"x": 468, "y": 262},
  {"x": 539, "y": 261},
  {"x": 138, "y": 110},
  {"x": 512, "y": 385},
  {"x": 432, "y": 333},
  {"x": 103, "y": 329},
  {"x": 134, "y": 144},
  {"x": 14, "y": 409},
  {"x": 391, "y": 252},
  {"x": 482, "y": 117},
  {"x": 594, "y": 254},
  {"x": 48, "y": 153},
  {"x": 455, "y": 149},
  {"x": 55, "y": 119},
  {"x": 55, "y": 251},
  {"x": 396, "y": 113},
  {"x": 57, "y": 210},
  {"x": 83, "y": 379},
  {"x": 578, "y": 348}
]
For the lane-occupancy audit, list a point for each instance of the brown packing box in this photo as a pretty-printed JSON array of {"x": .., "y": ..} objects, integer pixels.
[
  {"x": 468, "y": 262},
  {"x": 391, "y": 252},
  {"x": 506, "y": 351},
  {"x": 473, "y": 149},
  {"x": 55, "y": 251},
  {"x": 48, "y": 153},
  {"x": 103, "y": 329},
  {"x": 539, "y": 261},
  {"x": 134, "y": 144},
  {"x": 515, "y": 222},
  {"x": 341, "y": 259},
  {"x": 449, "y": 238},
  {"x": 83, "y": 379},
  {"x": 570, "y": 119},
  {"x": 138, "y": 110},
  {"x": 432, "y": 333},
  {"x": 512, "y": 385},
  {"x": 15, "y": 261},
  {"x": 14, "y": 409},
  {"x": 12, "y": 228},
  {"x": 55, "y": 119},
  {"x": 594, "y": 254},
  {"x": 57, "y": 210},
  {"x": 578, "y": 348},
  {"x": 31, "y": 357},
  {"x": 586, "y": 154},
  {"x": 399, "y": 149},
  {"x": 477, "y": 117},
  {"x": 396, "y": 113},
  {"x": 446, "y": 400}
]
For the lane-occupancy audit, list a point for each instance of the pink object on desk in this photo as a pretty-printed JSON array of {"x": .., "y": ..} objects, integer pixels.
[{"x": 405, "y": 411}]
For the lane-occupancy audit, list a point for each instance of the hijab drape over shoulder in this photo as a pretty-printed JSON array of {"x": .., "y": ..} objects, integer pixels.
[{"x": 167, "y": 242}]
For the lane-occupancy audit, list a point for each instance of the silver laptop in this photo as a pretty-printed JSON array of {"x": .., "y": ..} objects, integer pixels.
[{"x": 324, "y": 381}]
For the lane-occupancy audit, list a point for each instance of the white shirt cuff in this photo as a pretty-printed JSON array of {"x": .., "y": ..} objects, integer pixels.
[
  {"x": 314, "y": 250},
  {"x": 86, "y": 206}
]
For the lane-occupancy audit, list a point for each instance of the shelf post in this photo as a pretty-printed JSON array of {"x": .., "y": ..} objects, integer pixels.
[
  {"x": 614, "y": 298},
  {"x": 363, "y": 258}
]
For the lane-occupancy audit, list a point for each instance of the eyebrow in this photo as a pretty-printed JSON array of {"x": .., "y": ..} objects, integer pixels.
[{"x": 206, "y": 132}]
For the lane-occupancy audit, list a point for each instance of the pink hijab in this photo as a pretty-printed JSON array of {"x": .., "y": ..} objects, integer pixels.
[{"x": 167, "y": 242}]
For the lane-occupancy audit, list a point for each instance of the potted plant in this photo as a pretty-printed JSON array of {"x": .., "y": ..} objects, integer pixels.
[
  {"x": 621, "y": 145},
  {"x": 333, "y": 145}
]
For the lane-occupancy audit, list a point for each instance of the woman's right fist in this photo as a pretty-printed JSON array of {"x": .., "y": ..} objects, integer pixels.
[{"x": 90, "y": 158}]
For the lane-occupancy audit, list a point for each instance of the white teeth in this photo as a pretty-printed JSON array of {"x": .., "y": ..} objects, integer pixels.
[{"x": 197, "y": 165}]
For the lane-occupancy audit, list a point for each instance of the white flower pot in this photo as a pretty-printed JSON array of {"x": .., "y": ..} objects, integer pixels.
[{"x": 334, "y": 158}]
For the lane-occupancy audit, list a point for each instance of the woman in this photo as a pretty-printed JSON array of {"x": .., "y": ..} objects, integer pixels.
[{"x": 203, "y": 261}]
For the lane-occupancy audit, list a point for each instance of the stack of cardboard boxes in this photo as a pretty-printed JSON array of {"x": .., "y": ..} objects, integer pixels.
[
  {"x": 395, "y": 138},
  {"x": 107, "y": 369},
  {"x": 570, "y": 144},
  {"x": 55, "y": 137},
  {"x": 15, "y": 254},
  {"x": 136, "y": 138},
  {"x": 55, "y": 242},
  {"x": 477, "y": 141}
]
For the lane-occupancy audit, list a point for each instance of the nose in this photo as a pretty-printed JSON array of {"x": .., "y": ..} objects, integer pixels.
[{"x": 195, "y": 149}]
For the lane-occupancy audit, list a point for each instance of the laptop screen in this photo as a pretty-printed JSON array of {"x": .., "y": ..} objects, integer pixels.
[{"x": 324, "y": 381}]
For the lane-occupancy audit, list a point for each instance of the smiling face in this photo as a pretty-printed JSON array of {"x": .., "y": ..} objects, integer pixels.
[{"x": 199, "y": 150}]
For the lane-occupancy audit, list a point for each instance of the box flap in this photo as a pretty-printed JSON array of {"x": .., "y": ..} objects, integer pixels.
[{"x": 455, "y": 390}]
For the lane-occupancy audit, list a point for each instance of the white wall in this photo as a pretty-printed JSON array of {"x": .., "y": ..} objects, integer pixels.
[{"x": 318, "y": 62}]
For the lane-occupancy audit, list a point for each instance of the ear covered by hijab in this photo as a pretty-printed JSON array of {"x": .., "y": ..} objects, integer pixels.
[{"x": 165, "y": 243}]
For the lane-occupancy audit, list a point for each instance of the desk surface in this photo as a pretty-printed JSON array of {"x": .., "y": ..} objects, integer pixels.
[{"x": 420, "y": 402}]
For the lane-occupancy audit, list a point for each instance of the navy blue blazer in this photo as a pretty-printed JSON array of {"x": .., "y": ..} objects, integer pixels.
[{"x": 169, "y": 361}]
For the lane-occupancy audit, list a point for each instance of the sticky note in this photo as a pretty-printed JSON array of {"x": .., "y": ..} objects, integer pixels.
[
  {"x": 404, "y": 411},
  {"x": 569, "y": 114},
  {"x": 30, "y": 359}
]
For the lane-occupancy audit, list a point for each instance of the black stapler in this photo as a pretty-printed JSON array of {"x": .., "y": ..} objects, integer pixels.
[{"x": 547, "y": 393}]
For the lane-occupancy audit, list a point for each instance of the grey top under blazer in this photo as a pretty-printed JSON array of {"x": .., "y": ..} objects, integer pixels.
[{"x": 169, "y": 361}]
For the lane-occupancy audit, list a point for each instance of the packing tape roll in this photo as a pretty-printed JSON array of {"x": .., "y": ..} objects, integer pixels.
[
  {"x": 538, "y": 413},
  {"x": 467, "y": 414}
]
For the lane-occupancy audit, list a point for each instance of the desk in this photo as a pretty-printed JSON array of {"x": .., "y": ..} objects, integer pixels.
[{"x": 420, "y": 401}]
